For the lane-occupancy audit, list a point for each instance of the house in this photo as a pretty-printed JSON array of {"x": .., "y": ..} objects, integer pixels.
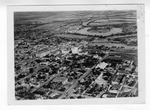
[
  {"x": 61, "y": 79},
  {"x": 65, "y": 51},
  {"x": 42, "y": 52},
  {"x": 113, "y": 91}
]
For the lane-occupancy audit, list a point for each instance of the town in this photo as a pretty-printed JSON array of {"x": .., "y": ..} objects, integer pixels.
[{"x": 71, "y": 65}]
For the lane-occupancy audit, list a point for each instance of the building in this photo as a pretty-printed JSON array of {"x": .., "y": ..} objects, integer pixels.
[
  {"x": 75, "y": 50},
  {"x": 61, "y": 79},
  {"x": 42, "y": 52},
  {"x": 100, "y": 81},
  {"x": 65, "y": 51},
  {"x": 102, "y": 65}
]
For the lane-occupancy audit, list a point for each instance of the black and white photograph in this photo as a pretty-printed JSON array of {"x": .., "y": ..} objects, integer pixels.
[{"x": 75, "y": 54}]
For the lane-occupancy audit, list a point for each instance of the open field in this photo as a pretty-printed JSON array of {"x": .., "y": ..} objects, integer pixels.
[{"x": 71, "y": 36}]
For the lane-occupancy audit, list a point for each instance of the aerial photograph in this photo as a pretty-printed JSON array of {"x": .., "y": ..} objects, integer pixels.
[{"x": 75, "y": 54}]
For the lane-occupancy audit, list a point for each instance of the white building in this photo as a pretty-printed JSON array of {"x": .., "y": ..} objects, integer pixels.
[
  {"x": 65, "y": 51},
  {"x": 42, "y": 54},
  {"x": 100, "y": 80},
  {"x": 102, "y": 65},
  {"x": 75, "y": 50}
]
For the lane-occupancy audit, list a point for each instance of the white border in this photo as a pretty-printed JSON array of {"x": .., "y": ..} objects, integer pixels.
[{"x": 141, "y": 58}]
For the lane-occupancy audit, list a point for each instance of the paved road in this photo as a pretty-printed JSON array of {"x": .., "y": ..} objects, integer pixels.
[
  {"x": 33, "y": 59},
  {"x": 133, "y": 53},
  {"x": 51, "y": 78},
  {"x": 123, "y": 85},
  {"x": 68, "y": 91},
  {"x": 28, "y": 76},
  {"x": 37, "y": 66}
]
